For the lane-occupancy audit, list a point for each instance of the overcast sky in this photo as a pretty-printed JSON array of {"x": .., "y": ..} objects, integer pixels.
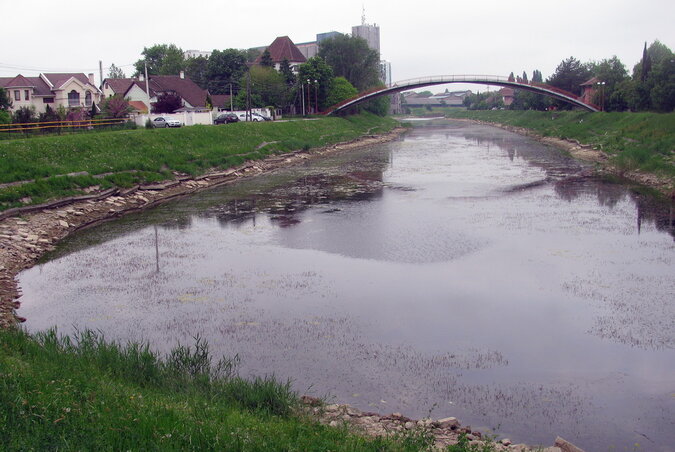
[{"x": 419, "y": 38}]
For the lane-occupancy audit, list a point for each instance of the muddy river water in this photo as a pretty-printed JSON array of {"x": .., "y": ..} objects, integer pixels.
[{"x": 459, "y": 271}]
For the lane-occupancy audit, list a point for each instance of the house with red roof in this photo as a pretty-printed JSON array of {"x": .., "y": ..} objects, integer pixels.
[
  {"x": 69, "y": 90},
  {"x": 134, "y": 90},
  {"x": 282, "y": 48}
]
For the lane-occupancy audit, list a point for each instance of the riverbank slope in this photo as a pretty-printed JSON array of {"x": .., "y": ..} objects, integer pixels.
[
  {"x": 36, "y": 170},
  {"x": 635, "y": 146}
]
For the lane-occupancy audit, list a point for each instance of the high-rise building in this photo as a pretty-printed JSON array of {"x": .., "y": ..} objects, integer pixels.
[
  {"x": 371, "y": 33},
  {"x": 385, "y": 72}
]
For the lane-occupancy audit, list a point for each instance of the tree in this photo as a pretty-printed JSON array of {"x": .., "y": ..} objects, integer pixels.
[
  {"x": 196, "y": 70},
  {"x": 379, "y": 106},
  {"x": 270, "y": 86},
  {"x": 24, "y": 115},
  {"x": 49, "y": 115},
  {"x": 266, "y": 59},
  {"x": 167, "y": 103},
  {"x": 569, "y": 75},
  {"x": 287, "y": 72},
  {"x": 340, "y": 89},
  {"x": 524, "y": 77},
  {"x": 351, "y": 58},
  {"x": 319, "y": 75},
  {"x": 162, "y": 59},
  {"x": 115, "y": 72},
  {"x": 116, "y": 107},
  {"x": 537, "y": 77},
  {"x": 612, "y": 72},
  {"x": 251, "y": 54},
  {"x": 5, "y": 101},
  {"x": 224, "y": 68},
  {"x": 653, "y": 84}
]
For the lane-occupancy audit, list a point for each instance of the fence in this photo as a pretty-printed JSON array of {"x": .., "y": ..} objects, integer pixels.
[{"x": 59, "y": 126}]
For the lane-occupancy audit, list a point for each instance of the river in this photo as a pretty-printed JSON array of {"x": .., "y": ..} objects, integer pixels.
[{"x": 460, "y": 271}]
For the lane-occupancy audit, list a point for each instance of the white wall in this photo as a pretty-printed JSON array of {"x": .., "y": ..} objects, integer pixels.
[{"x": 187, "y": 118}]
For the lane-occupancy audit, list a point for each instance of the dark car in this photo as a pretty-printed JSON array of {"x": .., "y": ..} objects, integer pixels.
[{"x": 226, "y": 118}]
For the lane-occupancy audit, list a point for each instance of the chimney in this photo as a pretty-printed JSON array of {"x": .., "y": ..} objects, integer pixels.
[
  {"x": 91, "y": 78},
  {"x": 182, "y": 74},
  {"x": 141, "y": 77}
]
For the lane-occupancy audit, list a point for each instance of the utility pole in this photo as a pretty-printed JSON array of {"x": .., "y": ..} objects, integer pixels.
[
  {"x": 231, "y": 104},
  {"x": 316, "y": 97},
  {"x": 100, "y": 71},
  {"x": 147, "y": 86},
  {"x": 302, "y": 90},
  {"x": 248, "y": 95}
]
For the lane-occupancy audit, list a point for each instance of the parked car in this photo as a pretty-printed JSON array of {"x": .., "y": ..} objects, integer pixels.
[
  {"x": 226, "y": 118},
  {"x": 161, "y": 121},
  {"x": 242, "y": 117},
  {"x": 263, "y": 117}
]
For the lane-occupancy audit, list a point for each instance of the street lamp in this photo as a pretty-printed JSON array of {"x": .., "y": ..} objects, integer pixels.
[
  {"x": 602, "y": 95},
  {"x": 316, "y": 96},
  {"x": 309, "y": 96}
]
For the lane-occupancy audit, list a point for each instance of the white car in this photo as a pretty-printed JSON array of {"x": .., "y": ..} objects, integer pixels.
[
  {"x": 166, "y": 122},
  {"x": 252, "y": 117}
]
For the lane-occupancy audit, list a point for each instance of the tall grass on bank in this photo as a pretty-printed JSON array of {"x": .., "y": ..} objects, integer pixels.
[
  {"x": 643, "y": 141},
  {"x": 58, "y": 393},
  {"x": 137, "y": 156}
]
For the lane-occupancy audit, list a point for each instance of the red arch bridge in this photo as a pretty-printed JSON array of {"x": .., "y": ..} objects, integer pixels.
[{"x": 495, "y": 80}]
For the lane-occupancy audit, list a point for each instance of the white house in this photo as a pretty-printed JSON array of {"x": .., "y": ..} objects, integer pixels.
[{"x": 70, "y": 90}]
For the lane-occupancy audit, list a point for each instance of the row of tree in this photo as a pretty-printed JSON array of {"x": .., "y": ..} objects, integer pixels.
[
  {"x": 344, "y": 66},
  {"x": 650, "y": 87}
]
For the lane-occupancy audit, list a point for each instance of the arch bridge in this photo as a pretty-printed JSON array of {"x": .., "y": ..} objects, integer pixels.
[{"x": 496, "y": 80}]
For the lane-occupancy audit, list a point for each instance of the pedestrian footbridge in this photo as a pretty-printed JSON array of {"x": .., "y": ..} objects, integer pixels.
[{"x": 494, "y": 80}]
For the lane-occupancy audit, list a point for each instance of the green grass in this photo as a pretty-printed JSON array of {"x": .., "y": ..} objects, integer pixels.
[
  {"x": 153, "y": 154},
  {"x": 84, "y": 393},
  {"x": 644, "y": 141}
]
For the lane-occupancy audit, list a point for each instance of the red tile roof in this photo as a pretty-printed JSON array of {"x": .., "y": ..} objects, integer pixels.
[
  {"x": 138, "y": 106},
  {"x": 590, "y": 81},
  {"x": 220, "y": 100},
  {"x": 119, "y": 85},
  {"x": 283, "y": 48},
  {"x": 19, "y": 82},
  {"x": 39, "y": 85},
  {"x": 184, "y": 87},
  {"x": 57, "y": 80}
]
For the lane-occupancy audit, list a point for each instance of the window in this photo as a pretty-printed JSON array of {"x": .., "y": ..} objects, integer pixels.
[
  {"x": 48, "y": 100},
  {"x": 17, "y": 94},
  {"x": 87, "y": 99},
  {"x": 26, "y": 94},
  {"x": 73, "y": 99}
]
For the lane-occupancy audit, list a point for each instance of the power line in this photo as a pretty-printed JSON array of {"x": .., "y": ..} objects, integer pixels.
[{"x": 14, "y": 67}]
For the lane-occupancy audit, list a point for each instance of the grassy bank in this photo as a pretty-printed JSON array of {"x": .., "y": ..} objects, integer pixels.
[
  {"x": 644, "y": 141},
  {"x": 89, "y": 394},
  {"x": 137, "y": 156}
]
